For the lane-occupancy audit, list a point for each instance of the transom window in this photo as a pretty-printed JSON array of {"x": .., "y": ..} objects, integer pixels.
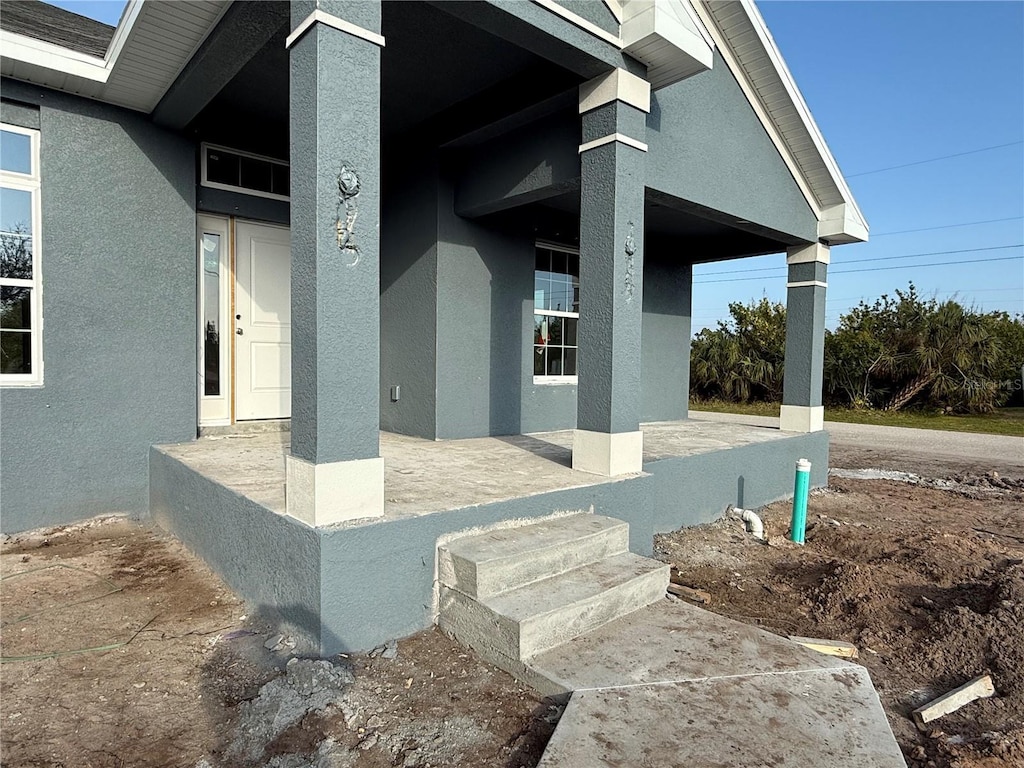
[
  {"x": 20, "y": 315},
  {"x": 244, "y": 172},
  {"x": 556, "y": 313}
]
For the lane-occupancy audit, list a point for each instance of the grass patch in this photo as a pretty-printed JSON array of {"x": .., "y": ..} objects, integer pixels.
[{"x": 1005, "y": 421}]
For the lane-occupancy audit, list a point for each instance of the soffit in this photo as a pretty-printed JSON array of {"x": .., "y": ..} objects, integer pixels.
[{"x": 148, "y": 50}]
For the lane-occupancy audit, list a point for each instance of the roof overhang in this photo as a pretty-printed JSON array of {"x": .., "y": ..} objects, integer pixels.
[
  {"x": 142, "y": 61},
  {"x": 674, "y": 38},
  {"x": 754, "y": 59},
  {"x": 667, "y": 36}
]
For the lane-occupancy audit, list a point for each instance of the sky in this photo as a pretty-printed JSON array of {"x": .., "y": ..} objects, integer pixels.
[{"x": 894, "y": 84}]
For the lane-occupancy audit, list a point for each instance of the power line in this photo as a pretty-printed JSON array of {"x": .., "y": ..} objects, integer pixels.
[
  {"x": 933, "y": 264},
  {"x": 935, "y": 159},
  {"x": 873, "y": 258},
  {"x": 945, "y": 226},
  {"x": 863, "y": 261},
  {"x": 869, "y": 269}
]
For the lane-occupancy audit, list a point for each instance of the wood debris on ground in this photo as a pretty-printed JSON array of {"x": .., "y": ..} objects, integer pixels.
[{"x": 980, "y": 687}]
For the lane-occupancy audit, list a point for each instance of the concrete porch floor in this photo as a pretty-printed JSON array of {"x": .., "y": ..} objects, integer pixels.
[{"x": 426, "y": 476}]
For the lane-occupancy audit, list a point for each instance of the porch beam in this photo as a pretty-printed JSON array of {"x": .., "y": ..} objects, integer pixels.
[
  {"x": 335, "y": 472},
  {"x": 608, "y": 440},
  {"x": 802, "y": 409},
  {"x": 244, "y": 30}
]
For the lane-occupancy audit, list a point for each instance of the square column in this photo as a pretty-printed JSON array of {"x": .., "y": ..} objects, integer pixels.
[
  {"x": 802, "y": 410},
  {"x": 334, "y": 471},
  {"x": 608, "y": 440}
]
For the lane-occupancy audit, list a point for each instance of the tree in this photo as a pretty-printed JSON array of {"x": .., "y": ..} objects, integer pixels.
[
  {"x": 743, "y": 358},
  {"x": 905, "y": 350}
]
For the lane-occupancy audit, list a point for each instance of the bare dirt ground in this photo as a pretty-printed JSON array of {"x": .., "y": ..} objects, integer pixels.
[
  {"x": 928, "y": 583},
  {"x": 121, "y": 649}
]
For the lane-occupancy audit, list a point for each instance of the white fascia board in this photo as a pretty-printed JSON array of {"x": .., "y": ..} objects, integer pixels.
[
  {"x": 786, "y": 78},
  {"x": 645, "y": 21},
  {"x": 124, "y": 28},
  {"x": 841, "y": 224},
  {"x": 53, "y": 57}
]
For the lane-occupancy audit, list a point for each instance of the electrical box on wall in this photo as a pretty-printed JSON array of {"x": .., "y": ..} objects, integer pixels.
[{"x": 396, "y": 392}]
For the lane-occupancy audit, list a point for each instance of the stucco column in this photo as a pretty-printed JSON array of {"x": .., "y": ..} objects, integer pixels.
[
  {"x": 335, "y": 472},
  {"x": 802, "y": 410},
  {"x": 608, "y": 440}
]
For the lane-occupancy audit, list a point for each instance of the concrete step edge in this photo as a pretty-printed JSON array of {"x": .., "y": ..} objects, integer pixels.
[{"x": 508, "y": 572}]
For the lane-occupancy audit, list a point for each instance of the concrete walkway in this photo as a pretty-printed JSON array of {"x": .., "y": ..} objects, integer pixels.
[{"x": 674, "y": 685}]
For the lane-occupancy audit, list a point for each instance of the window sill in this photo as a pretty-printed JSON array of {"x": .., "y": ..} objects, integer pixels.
[
  {"x": 23, "y": 384},
  {"x": 548, "y": 381}
]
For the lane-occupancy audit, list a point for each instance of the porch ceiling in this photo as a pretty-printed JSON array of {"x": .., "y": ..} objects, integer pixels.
[
  {"x": 705, "y": 235},
  {"x": 432, "y": 64}
]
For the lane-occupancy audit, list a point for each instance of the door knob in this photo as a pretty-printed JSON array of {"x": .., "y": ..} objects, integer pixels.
[{"x": 239, "y": 331}]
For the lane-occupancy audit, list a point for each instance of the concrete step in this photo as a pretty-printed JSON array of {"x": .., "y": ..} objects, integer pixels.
[
  {"x": 510, "y": 628},
  {"x": 509, "y": 558}
]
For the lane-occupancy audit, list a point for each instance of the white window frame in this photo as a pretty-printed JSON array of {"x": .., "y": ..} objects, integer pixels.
[
  {"x": 546, "y": 379},
  {"x": 205, "y": 182},
  {"x": 29, "y": 182}
]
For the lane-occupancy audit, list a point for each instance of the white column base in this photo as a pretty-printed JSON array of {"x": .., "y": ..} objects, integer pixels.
[
  {"x": 802, "y": 418},
  {"x": 323, "y": 494},
  {"x": 608, "y": 453}
]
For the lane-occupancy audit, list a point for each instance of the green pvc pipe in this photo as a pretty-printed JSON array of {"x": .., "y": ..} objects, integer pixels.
[{"x": 801, "y": 488}]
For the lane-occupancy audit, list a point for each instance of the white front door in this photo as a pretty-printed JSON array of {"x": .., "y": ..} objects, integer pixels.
[{"x": 263, "y": 359}]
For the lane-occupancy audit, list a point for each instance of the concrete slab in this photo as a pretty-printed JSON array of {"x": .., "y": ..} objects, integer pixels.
[
  {"x": 427, "y": 476},
  {"x": 508, "y": 558},
  {"x": 805, "y": 719},
  {"x": 673, "y": 642}
]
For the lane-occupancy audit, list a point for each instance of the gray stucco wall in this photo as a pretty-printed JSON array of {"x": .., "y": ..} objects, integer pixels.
[
  {"x": 272, "y": 560},
  {"x": 229, "y": 203},
  {"x": 119, "y": 305},
  {"x": 408, "y": 297},
  {"x": 707, "y": 146},
  {"x": 665, "y": 341},
  {"x": 483, "y": 273}
]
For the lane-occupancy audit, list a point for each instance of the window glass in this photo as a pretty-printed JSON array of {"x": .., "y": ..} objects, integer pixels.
[
  {"x": 556, "y": 291},
  {"x": 15, "y": 308},
  {"x": 15, "y": 152},
  {"x": 15, "y": 352},
  {"x": 281, "y": 184},
  {"x": 222, "y": 167},
  {"x": 211, "y": 312},
  {"x": 256, "y": 174},
  {"x": 15, "y": 257},
  {"x": 15, "y": 211}
]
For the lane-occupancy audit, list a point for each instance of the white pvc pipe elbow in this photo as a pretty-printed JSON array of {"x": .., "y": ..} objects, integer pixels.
[{"x": 754, "y": 524}]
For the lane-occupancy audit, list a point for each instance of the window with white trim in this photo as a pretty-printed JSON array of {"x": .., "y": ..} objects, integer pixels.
[
  {"x": 556, "y": 313},
  {"x": 21, "y": 360},
  {"x": 237, "y": 171}
]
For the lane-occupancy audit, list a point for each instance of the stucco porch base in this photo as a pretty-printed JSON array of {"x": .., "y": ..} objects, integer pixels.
[{"x": 353, "y": 585}]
